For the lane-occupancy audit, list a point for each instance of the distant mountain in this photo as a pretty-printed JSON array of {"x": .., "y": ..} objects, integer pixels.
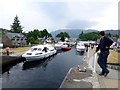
[
  {"x": 75, "y": 32},
  {"x": 114, "y": 32},
  {"x": 72, "y": 32}
]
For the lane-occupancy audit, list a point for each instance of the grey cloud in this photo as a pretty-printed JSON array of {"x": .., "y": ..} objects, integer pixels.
[
  {"x": 55, "y": 10},
  {"x": 82, "y": 24}
]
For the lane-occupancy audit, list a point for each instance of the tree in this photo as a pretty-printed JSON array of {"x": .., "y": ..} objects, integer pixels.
[
  {"x": 36, "y": 34},
  {"x": 82, "y": 33},
  {"x": 62, "y": 39},
  {"x": 62, "y": 36},
  {"x": 33, "y": 36},
  {"x": 16, "y": 27},
  {"x": 45, "y": 34},
  {"x": 31, "y": 40},
  {"x": 88, "y": 36}
]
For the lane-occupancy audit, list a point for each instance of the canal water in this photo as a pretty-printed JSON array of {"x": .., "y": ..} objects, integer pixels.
[{"x": 48, "y": 73}]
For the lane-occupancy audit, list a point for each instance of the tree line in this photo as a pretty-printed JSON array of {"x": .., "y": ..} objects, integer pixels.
[
  {"x": 32, "y": 36},
  {"x": 93, "y": 36},
  {"x": 63, "y": 35}
]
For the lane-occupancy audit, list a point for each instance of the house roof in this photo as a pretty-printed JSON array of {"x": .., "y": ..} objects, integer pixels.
[
  {"x": 41, "y": 39},
  {"x": 13, "y": 35}
]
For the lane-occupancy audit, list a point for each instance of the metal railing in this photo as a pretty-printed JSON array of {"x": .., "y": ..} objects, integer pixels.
[{"x": 92, "y": 60}]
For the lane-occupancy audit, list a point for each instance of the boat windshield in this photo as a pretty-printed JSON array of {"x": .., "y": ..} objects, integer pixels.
[
  {"x": 39, "y": 49},
  {"x": 80, "y": 44},
  {"x": 34, "y": 49},
  {"x": 59, "y": 43}
]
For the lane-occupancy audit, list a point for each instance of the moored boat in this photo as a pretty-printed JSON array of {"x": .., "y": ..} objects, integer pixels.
[
  {"x": 62, "y": 46},
  {"x": 80, "y": 47},
  {"x": 65, "y": 46},
  {"x": 39, "y": 52},
  {"x": 58, "y": 45}
]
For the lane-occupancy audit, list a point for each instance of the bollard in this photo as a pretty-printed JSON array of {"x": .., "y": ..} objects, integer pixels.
[
  {"x": 95, "y": 62},
  {"x": 89, "y": 57},
  {"x": 88, "y": 54}
]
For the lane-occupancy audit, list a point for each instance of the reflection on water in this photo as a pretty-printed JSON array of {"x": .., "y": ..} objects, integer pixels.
[
  {"x": 37, "y": 63},
  {"x": 80, "y": 53},
  {"x": 46, "y": 73},
  {"x": 40, "y": 63},
  {"x": 6, "y": 69}
]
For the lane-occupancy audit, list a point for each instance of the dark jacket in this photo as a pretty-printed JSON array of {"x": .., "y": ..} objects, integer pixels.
[{"x": 104, "y": 44}]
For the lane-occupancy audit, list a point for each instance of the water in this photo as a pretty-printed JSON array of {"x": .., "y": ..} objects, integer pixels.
[{"x": 48, "y": 73}]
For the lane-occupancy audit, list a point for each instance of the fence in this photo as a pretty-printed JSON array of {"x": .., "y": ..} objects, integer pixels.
[{"x": 92, "y": 60}]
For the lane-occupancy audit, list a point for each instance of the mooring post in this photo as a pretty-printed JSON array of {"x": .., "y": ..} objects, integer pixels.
[
  {"x": 95, "y": 62},
  {"x": 89, "y": 58},
  {"x": 88, "y": 54}
]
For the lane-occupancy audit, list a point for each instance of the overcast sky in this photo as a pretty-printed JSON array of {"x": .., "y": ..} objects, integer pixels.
[{"x": 60, "y": 14}]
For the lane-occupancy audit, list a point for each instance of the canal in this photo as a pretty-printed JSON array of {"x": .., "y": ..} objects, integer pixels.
[{"x": 48, "y": 73}]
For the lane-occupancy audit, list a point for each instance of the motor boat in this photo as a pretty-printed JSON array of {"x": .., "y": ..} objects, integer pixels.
[
  {"x": 39, "y": 52},
  {"x": 65, "y": 46},
  {"x": 58, "y": 45},
  {"x": 80, "y": 47},
  {"x": 62, "y": 46}
]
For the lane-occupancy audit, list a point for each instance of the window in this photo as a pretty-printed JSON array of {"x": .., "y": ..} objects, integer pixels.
[
  {"x": 33, "y": 49},
  {"x": 39, "y": 49}
]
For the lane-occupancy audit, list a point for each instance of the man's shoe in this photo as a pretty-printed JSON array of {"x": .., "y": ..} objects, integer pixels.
[
  {"x": 106, "y": 74},
  {"x": 101, "y": 74}
]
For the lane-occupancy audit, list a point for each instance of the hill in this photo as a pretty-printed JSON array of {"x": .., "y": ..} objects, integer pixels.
[
  {"x": 72, "y": 32},
  {"x": 75, "y": 32},
  {"x": 114, "y": 32}
]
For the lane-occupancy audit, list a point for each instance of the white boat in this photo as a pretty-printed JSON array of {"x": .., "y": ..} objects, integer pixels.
[
  {"x": 66, "y": 46},
  {"x": 62, "y": 46},
  {"x": 39, "y": 52},
  {"x": 80, "y": 47},
  {"x": 58, "y": 45}
]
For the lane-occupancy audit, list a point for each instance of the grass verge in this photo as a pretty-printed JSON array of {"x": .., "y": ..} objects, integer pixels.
[{"x": 114, "y": 57}]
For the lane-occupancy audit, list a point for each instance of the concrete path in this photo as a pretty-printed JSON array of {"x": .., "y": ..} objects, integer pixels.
[
  {"x": 80, "y": 77},
  {"x": 84, "y": 77},
  {"x": 112, "y": 79}
]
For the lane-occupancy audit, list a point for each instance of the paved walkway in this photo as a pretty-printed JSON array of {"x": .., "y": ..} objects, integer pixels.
[
  {"x": 84, "y": 77},
  {"x": 112, "y": 79},
  {"x": 81, "y": 77}
]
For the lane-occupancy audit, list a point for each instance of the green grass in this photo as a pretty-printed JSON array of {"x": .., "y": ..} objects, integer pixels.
[{"x": 114, "y": 57}]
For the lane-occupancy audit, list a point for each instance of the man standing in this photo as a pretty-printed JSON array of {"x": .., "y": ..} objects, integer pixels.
[{"x": 104, "y": 45}]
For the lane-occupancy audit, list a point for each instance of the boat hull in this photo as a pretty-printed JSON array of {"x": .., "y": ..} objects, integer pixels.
[
  {"x": 39, "y": 57},
  {"x": 58, "y": 48},
  {"x": 80, "y": 50},
  {"x": 34, "y": 58},
  {"x": 66, "y": 48}
]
